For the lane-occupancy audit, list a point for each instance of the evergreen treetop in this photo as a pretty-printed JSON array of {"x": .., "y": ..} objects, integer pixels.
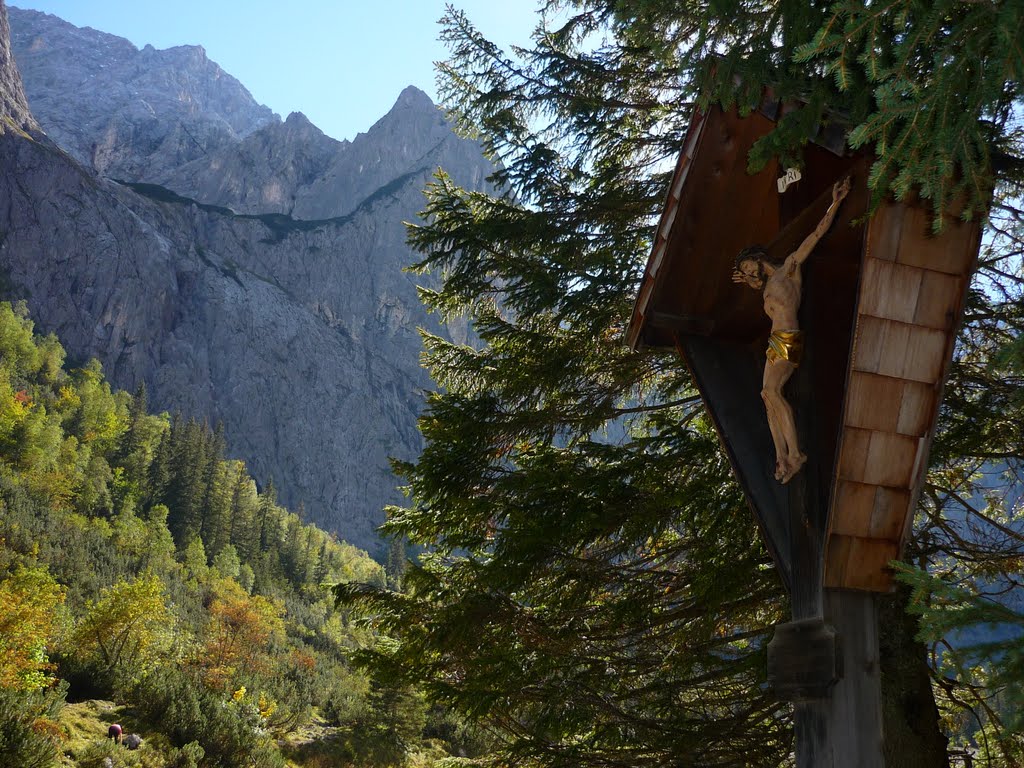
[{"x": 592, "y": 587}]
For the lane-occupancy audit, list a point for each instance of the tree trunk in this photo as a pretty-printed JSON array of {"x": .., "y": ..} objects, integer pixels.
[{"x": 911, "y": 729}]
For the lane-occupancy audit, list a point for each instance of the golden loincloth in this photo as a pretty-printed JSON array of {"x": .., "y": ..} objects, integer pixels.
[{"x": 785, "y": 345}]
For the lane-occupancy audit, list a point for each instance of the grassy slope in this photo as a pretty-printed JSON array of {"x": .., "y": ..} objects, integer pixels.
[
  {"x": 86, "y": 724},
  {"x": 316, "y": 745}
]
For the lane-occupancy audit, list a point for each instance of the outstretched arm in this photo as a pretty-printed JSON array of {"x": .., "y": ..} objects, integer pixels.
[{"x": 799, "y": 256}]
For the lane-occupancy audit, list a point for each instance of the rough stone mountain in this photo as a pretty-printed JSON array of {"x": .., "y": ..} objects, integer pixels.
[{"x": 249, "y": 270}]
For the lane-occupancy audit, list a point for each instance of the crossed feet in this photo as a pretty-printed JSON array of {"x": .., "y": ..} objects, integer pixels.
[{"x": 787, "y": 467}]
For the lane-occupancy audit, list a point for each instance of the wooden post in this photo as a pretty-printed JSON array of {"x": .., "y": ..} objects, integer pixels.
[
  {"x": 813, "y": 724},
  {"x": 843, "y": 728},
  {"x": 826, "y": 660},
  {"x": 829, "y": 668},
  {"x": 856, "y": 701}
]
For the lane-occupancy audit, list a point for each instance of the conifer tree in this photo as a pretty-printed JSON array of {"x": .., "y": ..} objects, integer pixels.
[
  {"x": 294, "y": 550},
  {"x": 159, "y": 474},
  {"x": 592, "y": 586},
  {"x": 323, "y": 565},
  {"x": 137, "y": 450},
  {"x": 396, "y": 563},
  {"x": 245, "y": 530},
  {"x": 218, "y": 504},
  {"x": 268, "y": 522},
  {"x": 189, "y": 478}
]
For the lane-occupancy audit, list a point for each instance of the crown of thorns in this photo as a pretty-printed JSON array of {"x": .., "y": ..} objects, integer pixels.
[{"x": 755, "y": 253}]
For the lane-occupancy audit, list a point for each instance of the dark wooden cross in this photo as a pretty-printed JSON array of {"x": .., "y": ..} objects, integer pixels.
[{"x": 880, "y": 307}]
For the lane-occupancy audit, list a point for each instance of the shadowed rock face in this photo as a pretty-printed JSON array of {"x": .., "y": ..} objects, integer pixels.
[
  {"x": 299, "y": 335},
  {"x": 14, "y": 111}
]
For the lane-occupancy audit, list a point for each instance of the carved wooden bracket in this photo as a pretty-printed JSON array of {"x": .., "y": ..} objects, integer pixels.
[{"x": 804, "y": 660}]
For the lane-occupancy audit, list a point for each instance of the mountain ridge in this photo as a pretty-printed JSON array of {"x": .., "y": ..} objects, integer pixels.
[
  {"x": 297, "y": 332},
  {"x": 105, "y": 111}
]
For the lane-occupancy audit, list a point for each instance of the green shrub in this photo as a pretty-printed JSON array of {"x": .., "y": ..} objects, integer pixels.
[
  {"x": 230, "y": 733},
  {"x": 102, "y": 750},
  {"x": 189, "y": 756},
  {"x": 29, "y": 734},
  {"x": 345, "y": 696}
]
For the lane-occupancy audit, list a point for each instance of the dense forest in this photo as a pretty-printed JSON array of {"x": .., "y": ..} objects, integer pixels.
[{"x": 140, "y": 565}]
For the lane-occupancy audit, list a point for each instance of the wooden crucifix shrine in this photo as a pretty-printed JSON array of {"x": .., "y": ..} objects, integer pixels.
[{"x": 879, "y": 302}]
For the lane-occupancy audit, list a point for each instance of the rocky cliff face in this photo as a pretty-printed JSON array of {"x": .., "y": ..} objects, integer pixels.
[
  {"x": 14, "y": 111},
  {"x": 298, "y": 334}
]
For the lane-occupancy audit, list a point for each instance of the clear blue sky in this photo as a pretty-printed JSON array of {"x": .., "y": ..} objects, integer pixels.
[{"x": 340, "y": 62}]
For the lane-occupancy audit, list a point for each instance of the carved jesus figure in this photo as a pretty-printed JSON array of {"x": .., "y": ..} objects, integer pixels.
[{"x": 782, "y": 285}]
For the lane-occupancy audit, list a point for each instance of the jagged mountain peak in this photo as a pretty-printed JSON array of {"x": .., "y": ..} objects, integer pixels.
[
  {"x": 294, "y": 168},
  {"x": 414, "y": 111},
  {"x": 50, "y": 21},
  {"x": 298, "y": 126},
  {"x": 187, "y": 55},
  {"x": 297, "y": 118},
  {"x": 125, "y": 112},
  {"x": 412, "y": 97}
]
